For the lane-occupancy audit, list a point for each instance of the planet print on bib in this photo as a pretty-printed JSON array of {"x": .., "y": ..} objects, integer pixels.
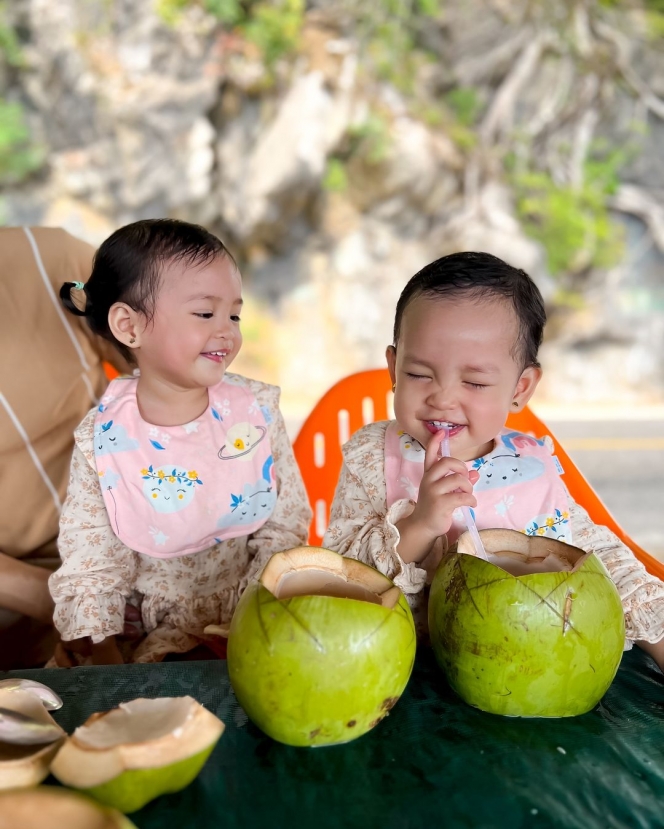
[{"x": 241, "y": 441}]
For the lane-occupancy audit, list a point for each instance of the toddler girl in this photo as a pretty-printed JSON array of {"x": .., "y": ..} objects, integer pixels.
[
  {"x": 466, "y": 335},
  {"x": 183, "y": 481}
]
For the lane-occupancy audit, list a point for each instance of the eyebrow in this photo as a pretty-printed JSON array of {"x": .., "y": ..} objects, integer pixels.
[{"x": 196, "y": 297}]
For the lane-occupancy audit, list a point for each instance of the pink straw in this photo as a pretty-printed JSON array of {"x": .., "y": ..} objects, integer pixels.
[{"x": 480, "y": 552}]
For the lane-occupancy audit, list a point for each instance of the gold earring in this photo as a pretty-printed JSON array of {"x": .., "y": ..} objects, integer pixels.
[
  {"x": 132, "y": 340},
  {"x": 515, "y": 403},
  {"x": 394, "y": 387}
]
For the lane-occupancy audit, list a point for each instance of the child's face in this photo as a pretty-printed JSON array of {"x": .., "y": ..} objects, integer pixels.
[
  {"x": 453, "y": 365},
  {"x": 194, "y": 334}
]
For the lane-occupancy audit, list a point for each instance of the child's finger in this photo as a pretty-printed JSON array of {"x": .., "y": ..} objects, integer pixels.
[
  {"x": 433, "y": 449},
  {"x": 443, "y": 467},
  {"x": 451, "y": 483}
]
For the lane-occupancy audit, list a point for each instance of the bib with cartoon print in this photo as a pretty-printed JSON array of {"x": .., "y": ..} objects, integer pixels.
[
  {"x": 517, "y": 485},
  {"x": 174, "y": 490}
]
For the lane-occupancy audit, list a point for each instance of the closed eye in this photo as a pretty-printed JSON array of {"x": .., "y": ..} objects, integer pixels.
[
  {"x": 476, "y": 385},
  {"x": 417, "y": 376}
]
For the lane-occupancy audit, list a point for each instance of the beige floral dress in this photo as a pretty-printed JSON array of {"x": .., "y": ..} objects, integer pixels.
[
  {"x": 179, "y": 596},
  {"x": 362, "y": 527}
]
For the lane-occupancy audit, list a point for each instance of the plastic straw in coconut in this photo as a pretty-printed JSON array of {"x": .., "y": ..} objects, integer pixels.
[{"x": 480, "y": 552}]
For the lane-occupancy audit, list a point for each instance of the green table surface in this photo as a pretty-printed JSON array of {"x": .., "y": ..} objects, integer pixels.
[{"x": 433, "y": 762}]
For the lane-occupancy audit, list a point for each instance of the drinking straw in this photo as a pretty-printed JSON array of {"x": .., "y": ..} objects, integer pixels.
[{"x": 480, "y": 552}]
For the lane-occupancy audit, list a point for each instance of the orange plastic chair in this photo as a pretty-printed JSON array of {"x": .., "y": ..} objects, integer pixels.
[{"x": 366, "y": 397}]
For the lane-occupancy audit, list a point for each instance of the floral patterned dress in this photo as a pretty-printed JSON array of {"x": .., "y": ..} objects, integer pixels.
[
  {"x": 177, "y": 596},
  {"x": 363, "y": 527}
]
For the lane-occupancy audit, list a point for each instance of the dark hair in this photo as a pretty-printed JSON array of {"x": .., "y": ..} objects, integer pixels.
[
  {"x": 128, "y": 265},
  {"x": 482, "y": 276}
]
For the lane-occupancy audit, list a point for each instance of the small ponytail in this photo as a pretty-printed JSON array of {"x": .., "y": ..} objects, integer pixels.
[{"x": 65, "y": 298}]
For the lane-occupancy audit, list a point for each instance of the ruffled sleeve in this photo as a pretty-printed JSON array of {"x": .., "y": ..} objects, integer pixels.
[
  {"x": 98, "y": 571},
  {"x": 361, "y": 526},
  {"x": 288, "y": 526},
  {"x": 642, "y": 594}
]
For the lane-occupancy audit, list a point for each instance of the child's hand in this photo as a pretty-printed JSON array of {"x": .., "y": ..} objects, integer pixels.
[
  {"x": 103, "y": 653},
  {"x": 445, "y": 487}
]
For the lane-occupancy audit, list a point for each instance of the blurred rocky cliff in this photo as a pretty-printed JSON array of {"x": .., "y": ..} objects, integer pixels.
[{"x": 339, "y": 146}]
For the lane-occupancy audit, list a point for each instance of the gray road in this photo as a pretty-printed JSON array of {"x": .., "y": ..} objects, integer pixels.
[{"x": 624, "y": 462}]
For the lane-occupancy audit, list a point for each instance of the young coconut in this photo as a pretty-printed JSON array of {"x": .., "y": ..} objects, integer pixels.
[
  {"x": 142, "y": 749},
  {"x": 536, "y": 631},
  {"x": 49, "y": 807},
  {"x": 320, "y": 648},
  {"x": 29, "y": 739}
]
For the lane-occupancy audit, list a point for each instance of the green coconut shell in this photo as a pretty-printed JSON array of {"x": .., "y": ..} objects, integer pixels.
[
  {"x": 314, "y": 670},
  {"x": 537, "y": 645},
  {"x": 132, "y": 789}
]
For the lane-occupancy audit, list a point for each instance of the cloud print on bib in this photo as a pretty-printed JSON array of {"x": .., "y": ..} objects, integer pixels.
[
  {"x": 112, "y": 437},
  {"x": 169, "y": 488},
  {"x": 256, "y": 502}
]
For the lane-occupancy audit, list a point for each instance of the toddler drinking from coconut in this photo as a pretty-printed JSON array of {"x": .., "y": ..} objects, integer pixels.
[
  {"x": 183, "y": 481},
  {"x": 466, "y": 336}
]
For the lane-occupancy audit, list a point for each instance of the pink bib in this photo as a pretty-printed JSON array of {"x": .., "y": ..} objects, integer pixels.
[
  {"x": 174, "y": 490},
  {"x": 517, "y": 485}
]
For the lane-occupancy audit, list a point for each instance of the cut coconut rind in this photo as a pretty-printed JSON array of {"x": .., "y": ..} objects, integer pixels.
[
  {"x": 26, "y": 765},
  {"x": 138, "y": 735},
  {"x": 131, "y": 790},
  {"x": 521, "y": 554},
  {"x": 49, "y": 807},
  {"x": 324, "y": 564}
]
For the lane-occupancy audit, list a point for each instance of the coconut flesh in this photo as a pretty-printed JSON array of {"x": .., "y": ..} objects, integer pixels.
[
  {"x": 538, "y": 630},
  {"x": 53, "y": 808},
  {"x": 27, "y": 764},
  {"x": 320, "y": 647},
  {"x": 131, "y": 754}
]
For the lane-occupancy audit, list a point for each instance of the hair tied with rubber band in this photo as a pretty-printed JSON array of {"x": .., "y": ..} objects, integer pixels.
[{"x": 78, "y": 286}]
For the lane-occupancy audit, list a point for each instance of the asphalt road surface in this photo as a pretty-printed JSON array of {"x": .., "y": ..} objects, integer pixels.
[{"x": 624, "y": 463}]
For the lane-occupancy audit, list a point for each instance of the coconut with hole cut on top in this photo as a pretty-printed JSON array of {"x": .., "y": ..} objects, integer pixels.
[
  {"x": 536, "y": 631},
  {"x": 142, "y": 749},
  {"x": 48, "y": 807},
  {"x": 31, "y": 739},
  {"x": 320, "y": 648}
]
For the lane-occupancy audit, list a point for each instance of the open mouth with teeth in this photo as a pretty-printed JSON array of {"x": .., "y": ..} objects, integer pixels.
[
  {"x": 436, "y": 425},
  {"x": 215, "y": 356}
]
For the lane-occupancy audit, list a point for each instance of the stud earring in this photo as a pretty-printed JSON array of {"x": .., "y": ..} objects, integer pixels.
[
  {"x": 132, "y": 340},
  {"x": 394, "y": 387},
  {"x": 515, "y": 403}
]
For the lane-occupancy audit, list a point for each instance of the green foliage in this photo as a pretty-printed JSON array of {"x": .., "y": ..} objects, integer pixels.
[
  {"x": 464, "y": 103},
  {"x": 573, "y": 224},
  {"x": 10, "y": 48},
  {"x": 336, "y": 177},
  {"x": 274, "y": 26},
  {"x": 371, "y": 139},
  {"x": 18, "y": 158}
]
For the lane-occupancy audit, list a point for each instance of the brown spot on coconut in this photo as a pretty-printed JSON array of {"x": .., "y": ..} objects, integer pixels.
[
  {"x": 317, "y": 642},
  {"x": 538, "y": 630}
]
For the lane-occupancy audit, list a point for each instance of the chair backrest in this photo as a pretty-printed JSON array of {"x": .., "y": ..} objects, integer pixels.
[{"x": 366, "y": 397}]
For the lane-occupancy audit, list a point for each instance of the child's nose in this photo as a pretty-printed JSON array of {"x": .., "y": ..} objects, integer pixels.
[{"x": 442, "y": 397}]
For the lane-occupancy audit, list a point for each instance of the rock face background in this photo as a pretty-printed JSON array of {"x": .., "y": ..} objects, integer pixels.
[{"x": 339, "y": 146}]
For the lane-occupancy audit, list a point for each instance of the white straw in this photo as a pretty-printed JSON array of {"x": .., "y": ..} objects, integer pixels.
[{"x": 480, "y": 552}]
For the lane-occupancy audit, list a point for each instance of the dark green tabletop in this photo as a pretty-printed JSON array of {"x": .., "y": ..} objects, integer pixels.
[{"x": 433, "y": 762}]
